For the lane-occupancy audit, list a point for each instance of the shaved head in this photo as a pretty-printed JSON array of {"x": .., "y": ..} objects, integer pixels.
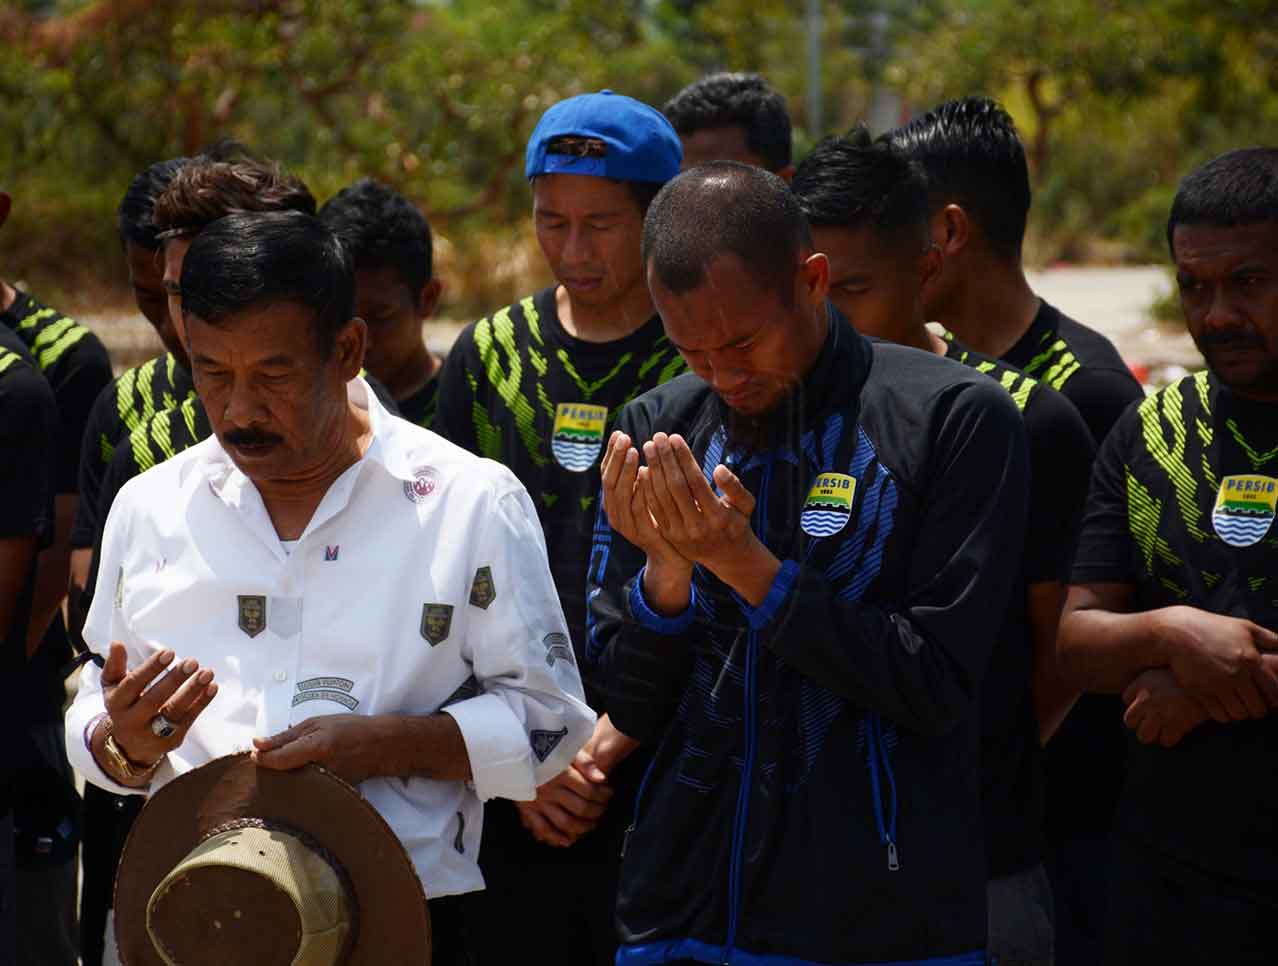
[{"x": 725, "y": 208}]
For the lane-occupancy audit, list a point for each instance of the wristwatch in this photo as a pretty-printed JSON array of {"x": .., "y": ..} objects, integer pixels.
[{"x": 121, "y": 764}]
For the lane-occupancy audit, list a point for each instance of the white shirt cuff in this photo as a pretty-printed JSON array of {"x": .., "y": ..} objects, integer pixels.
[{"x": 498, "y": 748}]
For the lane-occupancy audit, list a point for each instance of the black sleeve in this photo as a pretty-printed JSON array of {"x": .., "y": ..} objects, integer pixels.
[
  {"x": 1060, "y": 454},
  {"x": 454, "y": 415},
  {"x": 919, "y": 659},
  {"x": 28, "y": 434},
  {"x": 1106, "y": 551},
  {"x": 80, "y": 380},
  {"x": 1101, "y": 395},
  {"x": 639, "y": 672},
  {"x": 101, "y": 434}
]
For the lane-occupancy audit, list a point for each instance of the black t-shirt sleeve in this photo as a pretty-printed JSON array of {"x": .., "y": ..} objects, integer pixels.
[
  {"x": 1061, "y": 453},
  {"x": 1101, "y": 395},
  {"x": 83, "y": 375},
  {"x": 28, "y": 434},
  {"x": 454, "y": 417},
  {"x": 1106, "y": 547},
  {"x": 101, "y": 434}
]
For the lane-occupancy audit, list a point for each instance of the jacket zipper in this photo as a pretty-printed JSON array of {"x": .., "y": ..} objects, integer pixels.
[
  {"x": 878, "y": 754},
  {"x": 634, "y": 815},
  {"x": 747, "y": 768}
]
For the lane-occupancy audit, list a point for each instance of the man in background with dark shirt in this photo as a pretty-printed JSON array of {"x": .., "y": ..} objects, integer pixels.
[
  {"x": 143, "y": 390},
  {"x": 1174, "y": 604},
  {"x": 979, "y": 195},
  {"x": 395, "y": 289},
  {"x": 75, "y": 363},
  {"x": 733, "y": 117},
  {"x": 157, "y": 384},
  {"x": 37, "y": 912},
  {"x": 537, "y": 387},
  {"x": 867, "y": 204}
]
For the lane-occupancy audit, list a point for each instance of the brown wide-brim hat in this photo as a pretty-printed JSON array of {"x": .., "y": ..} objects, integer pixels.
[{"x": 389, "y": 922}]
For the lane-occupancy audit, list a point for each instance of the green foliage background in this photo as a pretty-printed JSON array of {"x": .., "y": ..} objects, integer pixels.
[{"x": 1116, "y": 100}]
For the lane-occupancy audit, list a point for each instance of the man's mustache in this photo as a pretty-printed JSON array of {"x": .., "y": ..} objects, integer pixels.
[
  {"x": 1231, "y": 338},
  {"x": 251, "y": 437}
]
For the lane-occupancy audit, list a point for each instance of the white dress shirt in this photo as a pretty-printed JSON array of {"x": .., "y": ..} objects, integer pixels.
[{"x": 421, "y": 583}]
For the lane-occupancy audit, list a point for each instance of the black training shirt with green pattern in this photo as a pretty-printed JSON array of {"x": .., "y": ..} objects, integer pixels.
[
  {"x": 519, "y": 389},
  {"x": 419, "y": 407},
  {"x": 1085, "y": 757},
  {"x": 1079, "y": 363},
  {"x": 1061, "y": 453},
  {"x": 28, "y": 428},
  {"x": 75, "y": 363},
  {"x": 1182, "y": 509},
  {"x": 138, "y": 394},
  {"x": 28, "y": 431}
]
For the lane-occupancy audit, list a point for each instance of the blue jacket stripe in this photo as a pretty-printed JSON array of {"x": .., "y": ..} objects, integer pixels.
[
  {"x": 674, "y": 950},
  {"x": 873, "y": 561},
  {"x": 849, "y": 553},
  {"x": 600, "y": 547}
]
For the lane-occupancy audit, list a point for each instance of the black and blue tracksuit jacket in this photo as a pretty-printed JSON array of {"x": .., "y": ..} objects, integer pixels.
[{"x": 814, "y": 794}]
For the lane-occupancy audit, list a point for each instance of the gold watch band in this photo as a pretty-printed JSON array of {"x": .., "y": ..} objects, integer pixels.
[{"x": 123, "y": 765}]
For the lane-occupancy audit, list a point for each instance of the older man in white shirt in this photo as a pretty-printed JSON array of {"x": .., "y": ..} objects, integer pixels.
[{"x": 323, "y": 582}]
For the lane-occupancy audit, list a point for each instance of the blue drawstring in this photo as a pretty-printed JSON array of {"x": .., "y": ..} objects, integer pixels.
[{"x": 878, "y": 751}]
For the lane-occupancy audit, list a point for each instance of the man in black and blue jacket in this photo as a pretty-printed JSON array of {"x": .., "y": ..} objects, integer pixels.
[{"x": 794, "y": 592}]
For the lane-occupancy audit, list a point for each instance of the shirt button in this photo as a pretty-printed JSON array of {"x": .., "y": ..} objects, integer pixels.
[{"x": 281, "y": 675}]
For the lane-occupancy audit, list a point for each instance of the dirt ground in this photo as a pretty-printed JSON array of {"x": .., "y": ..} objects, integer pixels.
[{"x": 1114, "y": 300}]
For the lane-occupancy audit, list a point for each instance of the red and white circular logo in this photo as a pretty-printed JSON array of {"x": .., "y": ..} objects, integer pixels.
[{"x": 422, "y": 485}]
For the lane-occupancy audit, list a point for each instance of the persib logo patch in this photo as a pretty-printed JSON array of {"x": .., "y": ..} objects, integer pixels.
[
  {"x": 828, "y": 506},
  {"x": 578, "y": 435},
  {"x": 1244, "y": 509}
]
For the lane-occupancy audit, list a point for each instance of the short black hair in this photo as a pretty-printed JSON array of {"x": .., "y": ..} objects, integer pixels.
[
  {"x": 725, "y": 208},
  {"x": 256, "y": 258},
  {"x": 855, "y": 181},
  {"x": 136, "y": 215},
  {"x": 1237, "y": 188},
  {"x": 382, "y": 229},
  {"x": 732, "y": 100},
  {"x": 972, "y": 156}
]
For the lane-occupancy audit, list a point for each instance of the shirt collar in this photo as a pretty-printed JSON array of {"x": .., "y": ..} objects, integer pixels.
[{"x": 388, "y": 448}]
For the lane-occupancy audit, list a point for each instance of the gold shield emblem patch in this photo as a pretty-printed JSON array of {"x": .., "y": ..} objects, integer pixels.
[
  {"x": 482, "y": 590},
  {"x": 578, "y": 435},
  {"x": 252, "y": 618},
  {"x": 437, "y": 621}
]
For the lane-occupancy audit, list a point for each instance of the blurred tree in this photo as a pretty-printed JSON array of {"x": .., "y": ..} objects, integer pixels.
[{"x": 1117, "y": 98}]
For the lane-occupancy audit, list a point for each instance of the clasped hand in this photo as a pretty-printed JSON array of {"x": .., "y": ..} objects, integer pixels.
[
  {"x": 1228, "y": 665},
  {"x": 667, "y": 508}
]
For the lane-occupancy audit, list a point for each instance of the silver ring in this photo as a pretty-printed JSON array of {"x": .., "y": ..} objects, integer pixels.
[{"x": 162, "y": 727}]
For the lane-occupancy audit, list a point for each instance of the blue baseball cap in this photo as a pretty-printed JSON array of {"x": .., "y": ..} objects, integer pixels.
[{"x": 641, "y": 144}]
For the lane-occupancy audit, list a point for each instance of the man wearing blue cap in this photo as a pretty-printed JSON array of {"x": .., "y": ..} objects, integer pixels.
[{"x": 537, "y": 386}]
